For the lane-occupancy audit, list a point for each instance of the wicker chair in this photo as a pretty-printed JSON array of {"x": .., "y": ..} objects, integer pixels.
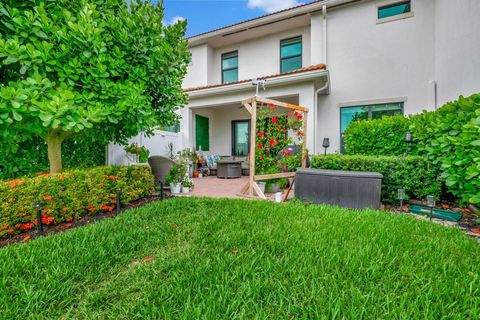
[{"x": 160, "y": 168}]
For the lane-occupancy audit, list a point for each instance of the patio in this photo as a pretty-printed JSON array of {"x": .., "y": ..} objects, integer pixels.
[{"x": 214, "y": 187}]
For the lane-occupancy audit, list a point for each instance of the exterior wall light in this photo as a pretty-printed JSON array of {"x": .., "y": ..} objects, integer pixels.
[{"x": 326, "y": 144}]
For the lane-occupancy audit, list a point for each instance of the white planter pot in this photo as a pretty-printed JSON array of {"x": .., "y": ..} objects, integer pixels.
[
  {"x": 175, "y": 188},
  {"x": 185, "y": 189},
  {"x": 261, "y": 185}
]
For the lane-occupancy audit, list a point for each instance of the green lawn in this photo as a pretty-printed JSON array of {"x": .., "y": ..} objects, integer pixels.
[{"x": 244, "y": 259}]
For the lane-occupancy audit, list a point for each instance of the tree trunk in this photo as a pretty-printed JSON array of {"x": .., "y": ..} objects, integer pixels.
[{"x": 54, "y": 143}]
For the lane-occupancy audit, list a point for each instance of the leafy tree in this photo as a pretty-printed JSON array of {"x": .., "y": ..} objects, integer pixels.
[{"x": 99, "y": 70}]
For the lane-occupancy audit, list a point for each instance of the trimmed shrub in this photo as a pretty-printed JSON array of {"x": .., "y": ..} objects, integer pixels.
[
  {"x": 414, "y": 174},
  {"x": 70, "y": 195},
  {"x": 383, "y": 136},
  {"x": 29, "y": 157},
  {"x": 449, "y": 137}
]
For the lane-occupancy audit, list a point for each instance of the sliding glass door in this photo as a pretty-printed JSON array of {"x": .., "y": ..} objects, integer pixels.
[{"x": 240, "y": 137}]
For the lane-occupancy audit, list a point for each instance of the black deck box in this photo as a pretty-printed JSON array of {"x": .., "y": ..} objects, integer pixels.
[{"x": 350, "y": 189}]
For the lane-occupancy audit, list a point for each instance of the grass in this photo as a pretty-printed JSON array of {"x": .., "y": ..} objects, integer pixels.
[{"x": 244, "y": 259}]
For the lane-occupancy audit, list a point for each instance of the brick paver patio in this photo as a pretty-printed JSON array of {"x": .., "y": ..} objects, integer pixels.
[
  {"x": 221, "y": 188},
  {"x": 217, "y": 188}
]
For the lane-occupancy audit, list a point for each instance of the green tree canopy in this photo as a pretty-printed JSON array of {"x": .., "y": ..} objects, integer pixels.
[{"x": 103, "y": 70}]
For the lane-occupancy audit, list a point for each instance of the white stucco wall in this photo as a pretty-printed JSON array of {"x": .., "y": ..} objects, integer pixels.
[
  {"x": 220, "y": 125},
  {"x": 367, "y": 62},
  {"x": 370, "y": 61},
  {"x": 457, "y": 48},
  {"x": 197, "y": 73}
]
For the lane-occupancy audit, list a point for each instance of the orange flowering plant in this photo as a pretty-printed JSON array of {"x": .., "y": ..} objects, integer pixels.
[
  {"x": 69, "y": 195},
  {"x": 277, "y": 128}
]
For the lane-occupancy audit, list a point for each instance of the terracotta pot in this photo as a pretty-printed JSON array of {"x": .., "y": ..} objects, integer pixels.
[
  {"x": 476, "y": 230},
  {"x": 195, "y": 174}
]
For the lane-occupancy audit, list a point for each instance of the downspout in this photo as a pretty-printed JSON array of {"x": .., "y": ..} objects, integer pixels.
[
  {"x": 315, "y": 103},
  {"x": 327, "y": 83},
  {"x": 324, "y": 29}
]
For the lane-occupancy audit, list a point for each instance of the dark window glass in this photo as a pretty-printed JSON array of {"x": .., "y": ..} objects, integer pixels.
[
  {"x": 240, "y": 137},
  {"x": 374, "y": 111},
  {"x": 290, "y": 54},
  {"x": 230, "y": 67},
  {"x": 394, "y": 9}
]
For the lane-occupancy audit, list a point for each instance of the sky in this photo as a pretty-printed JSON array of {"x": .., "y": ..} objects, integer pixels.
[{"x": 207, "y": 15}]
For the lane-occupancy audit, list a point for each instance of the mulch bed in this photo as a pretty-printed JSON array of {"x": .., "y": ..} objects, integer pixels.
[
  {"x": 52, "y": 229},
  {"x": 468, "y": 224}
]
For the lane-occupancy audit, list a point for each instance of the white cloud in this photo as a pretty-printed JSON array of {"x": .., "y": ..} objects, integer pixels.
[
  {"x": 175, "y": 20},
  {"x": 272, "y": 5}
]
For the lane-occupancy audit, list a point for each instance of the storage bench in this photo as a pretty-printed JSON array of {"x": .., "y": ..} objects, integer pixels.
[{"x": 350, "y": 189}]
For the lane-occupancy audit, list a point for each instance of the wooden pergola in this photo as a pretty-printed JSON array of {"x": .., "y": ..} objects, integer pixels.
[{"x": 251, "y": 188}]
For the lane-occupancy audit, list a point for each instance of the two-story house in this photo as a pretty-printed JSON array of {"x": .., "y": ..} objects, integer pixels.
[{"x": 336, "y": 57}]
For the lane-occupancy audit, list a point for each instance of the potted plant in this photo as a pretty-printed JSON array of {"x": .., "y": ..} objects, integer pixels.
[
  {"x": 175, "y": 177},
  {"x": 187, "y": 185},
  {"x": 137, "y": 154}
]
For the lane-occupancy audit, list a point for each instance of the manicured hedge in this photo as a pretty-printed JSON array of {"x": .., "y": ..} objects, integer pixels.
[
  {"x": 414, "y": 174},
  {"x": 383, "y": 136},
  {"x": 69, "y": 195},
  {"x": 29, "y": 157},
  {"x": 449, "y": 137}
]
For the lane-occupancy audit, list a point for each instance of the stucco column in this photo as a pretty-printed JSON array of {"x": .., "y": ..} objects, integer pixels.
[
  {"x": 186, "y": 127},
  {"x": 306, "y": 99}
]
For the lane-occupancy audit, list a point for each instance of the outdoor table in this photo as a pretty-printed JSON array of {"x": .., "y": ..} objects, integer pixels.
[{"x": 229, "y": 169}]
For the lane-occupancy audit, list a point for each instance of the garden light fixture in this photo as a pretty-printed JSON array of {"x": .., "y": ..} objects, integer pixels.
[
  {"x": 39, "y": 206},
  {"x": 431, "y": 203},
  {"x": 408, "y": 140},
  {"x": 326, "y": 144},
  {"x": 401, "y": 197},
  {"x": 118, "y": 191}
]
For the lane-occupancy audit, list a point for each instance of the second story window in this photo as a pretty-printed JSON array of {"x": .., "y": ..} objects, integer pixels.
[
  {"x": 230, "y": 67},
  {"x": 290, "y": 54},
  {"x": 394, "y": 9}
]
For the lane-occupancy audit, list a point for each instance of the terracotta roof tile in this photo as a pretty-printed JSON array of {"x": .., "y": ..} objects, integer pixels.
[{"x": 305, "y": 69}]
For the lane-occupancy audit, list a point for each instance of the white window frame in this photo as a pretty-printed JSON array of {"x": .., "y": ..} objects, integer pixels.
[{"x": 398, "y": 16}]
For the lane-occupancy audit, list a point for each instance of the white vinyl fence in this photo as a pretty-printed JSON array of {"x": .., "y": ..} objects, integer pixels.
[{"x": 156, "y": 144}]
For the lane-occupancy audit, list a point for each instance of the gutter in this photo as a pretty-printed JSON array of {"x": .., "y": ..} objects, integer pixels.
[{"x": 304, "y": 76}]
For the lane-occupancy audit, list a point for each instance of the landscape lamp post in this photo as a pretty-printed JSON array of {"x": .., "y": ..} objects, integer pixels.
[
  {"x": 401, "y": 196},
  {"x": 38, "y": 206},
  {"x": 431, "y": 204},
  {"x": 326, "y": 144},
  {"x": 118, "y": 190},
  {"x": 408, "y": 140}
]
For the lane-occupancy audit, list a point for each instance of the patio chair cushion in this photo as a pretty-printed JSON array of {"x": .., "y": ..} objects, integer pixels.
[{"x": 212, "y": 161}]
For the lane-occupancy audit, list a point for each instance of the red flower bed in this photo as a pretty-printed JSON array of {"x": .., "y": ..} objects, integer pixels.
[{"x": 69, "y": 196}]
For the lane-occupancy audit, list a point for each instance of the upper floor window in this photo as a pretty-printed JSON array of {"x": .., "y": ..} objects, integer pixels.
[
  {"x": 230, "y": 67},
  {"x": 290, "y": 54},
  {"x": 396, "y": 9}
]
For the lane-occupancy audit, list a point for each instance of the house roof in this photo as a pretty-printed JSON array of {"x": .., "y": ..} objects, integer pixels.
[
  {"x": 302, "y": 70},
  {"x": 256, "y": 18}
]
